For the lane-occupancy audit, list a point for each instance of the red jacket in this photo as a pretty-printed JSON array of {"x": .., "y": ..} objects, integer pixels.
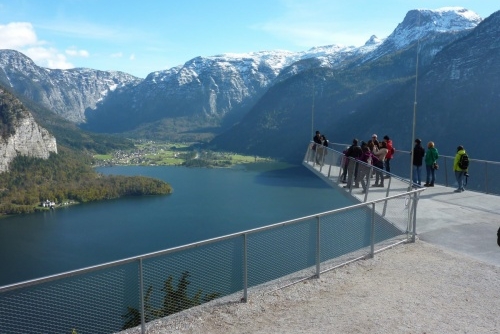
[{"x": 390, "y": 149}]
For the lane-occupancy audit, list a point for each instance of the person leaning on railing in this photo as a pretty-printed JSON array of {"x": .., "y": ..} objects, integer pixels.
[
  {"x": 364, "y": 169},
  {"x": 354, "y": 152},
  {"x": 380, "y": 155},
  {"x": 317, "y": 143}
]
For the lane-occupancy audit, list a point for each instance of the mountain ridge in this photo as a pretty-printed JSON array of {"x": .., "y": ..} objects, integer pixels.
[{"x": 218, "y": 93}]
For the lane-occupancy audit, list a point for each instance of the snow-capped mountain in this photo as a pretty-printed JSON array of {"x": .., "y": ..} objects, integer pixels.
[
  {"x": 218, "y": 89},
  {"x": 456, "y": 102},
  {"x": 211, "y": 87},
  {"x": 427, "y": 26},
  {"x": 66, "y": 92},
  {"x": 419, "y": 23}
]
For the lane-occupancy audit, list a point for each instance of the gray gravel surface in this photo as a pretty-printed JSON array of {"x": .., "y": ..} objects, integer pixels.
[{"x": 411, "y": 288}]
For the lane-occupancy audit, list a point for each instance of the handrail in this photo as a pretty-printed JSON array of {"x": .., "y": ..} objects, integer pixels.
[
  {"x": 440, "y": 155},
  {"x": 188, "y": 246},
  {"x": 482, "y": 174}
]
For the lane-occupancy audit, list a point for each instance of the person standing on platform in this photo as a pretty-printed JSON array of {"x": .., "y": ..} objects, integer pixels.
[
  {"x": 460, "y": 167},
  {"x": 317, "y": 143},
  {"x": 388, "y": 156},
  {"x": 418, "y": 156},
  {"x": 321, "y": 150},
  {"x": 353, "y": 154},
  {"x": 431, "y": 156},
  {"x": 364, "y": 169},
  {"x": 379, "y": 163}
]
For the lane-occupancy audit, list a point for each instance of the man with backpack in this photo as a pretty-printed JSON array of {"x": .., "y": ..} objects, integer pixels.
[{"x": 460, "y": 167}]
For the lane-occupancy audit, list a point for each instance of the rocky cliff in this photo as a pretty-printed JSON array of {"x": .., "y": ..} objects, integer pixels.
[{"x": 21, "y": 135}]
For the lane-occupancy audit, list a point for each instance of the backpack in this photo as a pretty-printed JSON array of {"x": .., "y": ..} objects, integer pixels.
[{"x": 463, "y": 163}]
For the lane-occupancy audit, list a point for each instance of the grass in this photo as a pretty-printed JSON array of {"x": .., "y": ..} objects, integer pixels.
[{"x": 175, "y": 154}]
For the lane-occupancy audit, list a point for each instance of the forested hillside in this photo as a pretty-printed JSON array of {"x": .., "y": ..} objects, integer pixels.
[{"x": 67, "y": 175}]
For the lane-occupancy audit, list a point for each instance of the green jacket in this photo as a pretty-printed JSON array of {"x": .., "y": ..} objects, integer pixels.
[
  {"x": 457, "y": 159},
  {"x": 431, "y": 156}
]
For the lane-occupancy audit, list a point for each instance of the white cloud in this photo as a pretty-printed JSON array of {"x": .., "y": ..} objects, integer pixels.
[
  {"x": 17, "y": 35},
  {"x": 116, "y": 55},
  {"x": 132, "y": 57},
  {"x": 73, "y": 52},
  {"x": 21, "y": 36},
  {"x": 48, "y": 57}
]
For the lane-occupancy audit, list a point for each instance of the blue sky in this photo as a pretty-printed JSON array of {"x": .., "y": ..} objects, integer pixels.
[{"x": 140, "y": 37}]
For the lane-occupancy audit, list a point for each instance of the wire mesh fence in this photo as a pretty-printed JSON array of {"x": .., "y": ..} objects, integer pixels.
[
  {"x": 129, "y": 293},
  {"x": 482, "y": 173}
]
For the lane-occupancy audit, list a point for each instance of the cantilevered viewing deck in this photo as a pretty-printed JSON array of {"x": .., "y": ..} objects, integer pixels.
[{"x": 464, "y": 222}]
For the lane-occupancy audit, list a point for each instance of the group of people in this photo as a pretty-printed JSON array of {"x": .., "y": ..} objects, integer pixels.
[
  {"x": 320, "y": 145},
  {"x": 430, "y": 158},
  {"x": 372, "y": 153},
  {"x": 379, "y": 155}
]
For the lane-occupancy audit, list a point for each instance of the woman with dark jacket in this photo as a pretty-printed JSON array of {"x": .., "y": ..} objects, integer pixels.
[{"x": 418, "y": 156}]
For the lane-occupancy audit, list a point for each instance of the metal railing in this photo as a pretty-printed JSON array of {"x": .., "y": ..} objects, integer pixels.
[
  {"x": 132, "y": 292},
  {"x": 482, "y": 173},
  {"x": 337, "y": 168}
]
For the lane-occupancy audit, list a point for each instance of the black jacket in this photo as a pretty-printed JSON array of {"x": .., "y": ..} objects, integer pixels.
[
  {"x": 354, "y": 151},
  {"x": 418, "y": 155}
]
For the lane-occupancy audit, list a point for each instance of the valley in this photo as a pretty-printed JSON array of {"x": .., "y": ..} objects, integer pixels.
[{"x": 188, "y": 154}]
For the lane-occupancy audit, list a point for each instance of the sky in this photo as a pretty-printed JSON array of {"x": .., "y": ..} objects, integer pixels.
[{"x": 140, "y": 37}]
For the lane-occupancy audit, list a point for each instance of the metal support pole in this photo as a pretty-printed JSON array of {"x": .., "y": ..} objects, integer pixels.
[
  {"x": 415, "y": 202},
  {"x": 372, "y": 233},
  {"x": 245, "y": 269},
  {"x": 318, "y": 238},
  {"x": 367, "y": 189},
  {"x": 141, "y": 294},
  {"x": 414, "y": 113}
]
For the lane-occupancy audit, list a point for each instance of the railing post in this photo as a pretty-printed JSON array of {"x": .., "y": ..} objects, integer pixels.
[
  {"x": 331, "y": 162},
  {"x": 318, "y": 238},
  {"x": 341, "y": 169},
  {"x": 245, "y": 269},
  {"x": 141, "y": 293},
  {"x": 486, "y": 177},
  {"x": 415, "y": 201},
  {"x": 445, "y": 172},
  {"x": 372, "y": 233},
  {"x": 368, "y": 181}
]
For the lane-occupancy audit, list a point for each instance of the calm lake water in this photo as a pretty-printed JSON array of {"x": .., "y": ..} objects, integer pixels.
[{"x": 206, "y": 203}]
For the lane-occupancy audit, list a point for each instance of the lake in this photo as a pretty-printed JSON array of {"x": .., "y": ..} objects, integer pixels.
[{"x": 205, "y": 203}]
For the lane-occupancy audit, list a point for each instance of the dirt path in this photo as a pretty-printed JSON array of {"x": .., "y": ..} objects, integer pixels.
[{"x": 414, "y": 288}]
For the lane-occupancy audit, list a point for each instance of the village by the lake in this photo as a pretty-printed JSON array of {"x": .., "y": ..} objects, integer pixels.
[{"x": 156, "y": 153}]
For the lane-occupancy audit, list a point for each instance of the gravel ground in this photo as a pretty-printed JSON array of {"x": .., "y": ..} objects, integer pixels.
[{"x": 412, "y": 288}]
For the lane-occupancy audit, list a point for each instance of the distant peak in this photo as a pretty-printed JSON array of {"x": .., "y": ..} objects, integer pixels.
[
  {"x": 422, "y": 22},
  {"x": 443, "y": 19},
  {"x": 373, "y": 40}
]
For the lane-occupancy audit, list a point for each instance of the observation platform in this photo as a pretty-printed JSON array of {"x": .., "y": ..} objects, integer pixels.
[{"x": 465, "y": 222}]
